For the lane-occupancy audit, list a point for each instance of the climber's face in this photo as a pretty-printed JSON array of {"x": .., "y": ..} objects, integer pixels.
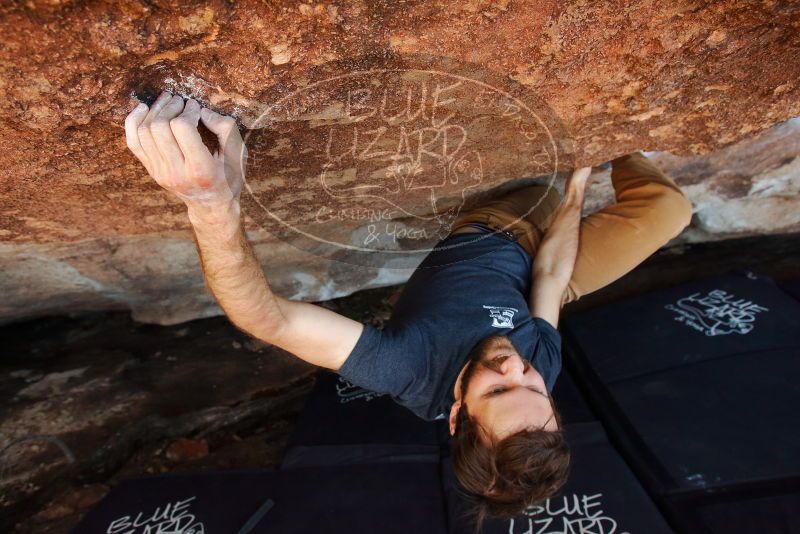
[{"x": 503, "y": 391}]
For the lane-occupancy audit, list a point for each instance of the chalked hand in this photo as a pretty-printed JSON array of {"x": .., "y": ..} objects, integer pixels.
[{"x": 164, "y": 137}]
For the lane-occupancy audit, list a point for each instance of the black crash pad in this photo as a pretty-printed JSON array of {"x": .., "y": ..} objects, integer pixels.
[
  {"x": 569, "y": 401},
  {"x": 714, "y": 423},
  {"x": 791, "y": 286},
  {"x": 706, "y": 319},
  {"x": 348, "y": 500},
  {"x": 776, "y": 514},
  {"x": 342, "y": 423},
  {"x": 706, "y": 413},
  {"x": 601, "y": 496}
]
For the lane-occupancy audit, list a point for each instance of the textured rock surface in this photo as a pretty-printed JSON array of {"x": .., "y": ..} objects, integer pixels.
[
  {"x": 83, "y": 227},
  {"x": 96, "y": 398},
  {"x": 91, "y": 399},
  {"x": 750, "y": 187}
]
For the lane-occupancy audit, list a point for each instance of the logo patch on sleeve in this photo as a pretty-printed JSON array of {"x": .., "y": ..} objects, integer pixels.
[
  {"x": 501, "y": 316},
  {"x": 349, "y": 392}
]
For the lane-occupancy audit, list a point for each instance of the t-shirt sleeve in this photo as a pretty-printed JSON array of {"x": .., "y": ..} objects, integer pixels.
[
  {"x": 383, "y": 361},
  {"x": 547, "y": 359}
]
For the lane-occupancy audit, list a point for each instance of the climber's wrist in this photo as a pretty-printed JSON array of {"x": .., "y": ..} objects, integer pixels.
[{"x": 216, "y": 214}]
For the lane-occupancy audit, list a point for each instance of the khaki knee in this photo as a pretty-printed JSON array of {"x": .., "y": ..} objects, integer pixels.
[{"x": 672, "y": 212}]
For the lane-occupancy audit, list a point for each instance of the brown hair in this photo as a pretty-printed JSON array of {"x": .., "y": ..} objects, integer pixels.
[{"x": 503, "y": 477}]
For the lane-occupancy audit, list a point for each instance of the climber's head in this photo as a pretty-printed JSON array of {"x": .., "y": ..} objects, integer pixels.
[{"x": 508, "y": 447}]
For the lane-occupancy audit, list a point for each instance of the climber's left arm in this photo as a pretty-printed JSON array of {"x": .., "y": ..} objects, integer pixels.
[{"x": 555, "y": 257}]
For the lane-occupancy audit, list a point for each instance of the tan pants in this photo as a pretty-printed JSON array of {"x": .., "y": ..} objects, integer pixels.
[{"x": 650, "y": 210}]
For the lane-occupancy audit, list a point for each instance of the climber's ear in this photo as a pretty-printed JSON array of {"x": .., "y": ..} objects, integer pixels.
[{"x": 453, "y": 416}]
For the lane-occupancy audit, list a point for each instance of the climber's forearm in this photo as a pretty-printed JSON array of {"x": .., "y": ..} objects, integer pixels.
[
  {"x": 545, "y": 299},
  {"x": 232, "y": 272},
  {"x": 554, "y": 262},
  {"x": 555, "y": 257}
]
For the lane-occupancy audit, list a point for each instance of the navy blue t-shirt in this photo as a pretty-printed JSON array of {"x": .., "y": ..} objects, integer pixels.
[{"x": 469, "y": 287}]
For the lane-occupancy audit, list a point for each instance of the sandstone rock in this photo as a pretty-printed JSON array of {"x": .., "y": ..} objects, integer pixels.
[
  {"x": 54, "y": 511},
  {"x": 747, "y": 188},
  {"x": 89, "y": 495},
  {"x": 750, "y": 187},
  {"x": 185, "y": 450},
  {"x": 83, "y": 396},
  {"x": 528, "y": 87},
  {"x": 79, "y": 500}
]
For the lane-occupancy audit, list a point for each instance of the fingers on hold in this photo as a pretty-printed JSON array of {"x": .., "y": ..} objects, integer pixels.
[
  {"x": 161, "y": 125},
  {"x": 160, "y": 128},
  {"x": 184, "y": 128},
  {"x": 142, "y": 130},
  {"x": 137, "y": 114},
  {"x": 132, "y": 122},
  {"x": 191, "y": 112},
  {"x": 207, "y": 115},
  {"x": 135, "y": 147},
  {"x": 180, "y": 124},
  {"x": 171, "y": 109},
  {"x": 132, "y": 138},
  {"x": 185, "y": 134},
  {"x": 227, "y": 132},
  {"x": 147, "y": 143},
  {"x": 219, "y": 124},
  {"x": 186, "y": 120},
  {"x": 160, "y": 102}
]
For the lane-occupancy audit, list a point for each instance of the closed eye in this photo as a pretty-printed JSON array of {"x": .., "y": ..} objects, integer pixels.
[{"x": 494, "y": 392}]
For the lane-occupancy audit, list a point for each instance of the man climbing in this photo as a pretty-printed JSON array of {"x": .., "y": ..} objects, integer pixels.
[{"x": 473, "y": 335}]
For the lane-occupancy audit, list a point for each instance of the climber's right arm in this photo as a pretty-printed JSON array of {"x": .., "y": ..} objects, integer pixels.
[
  {"x": 233, "y": 274},
  {"x": 165, "y": 139}
]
